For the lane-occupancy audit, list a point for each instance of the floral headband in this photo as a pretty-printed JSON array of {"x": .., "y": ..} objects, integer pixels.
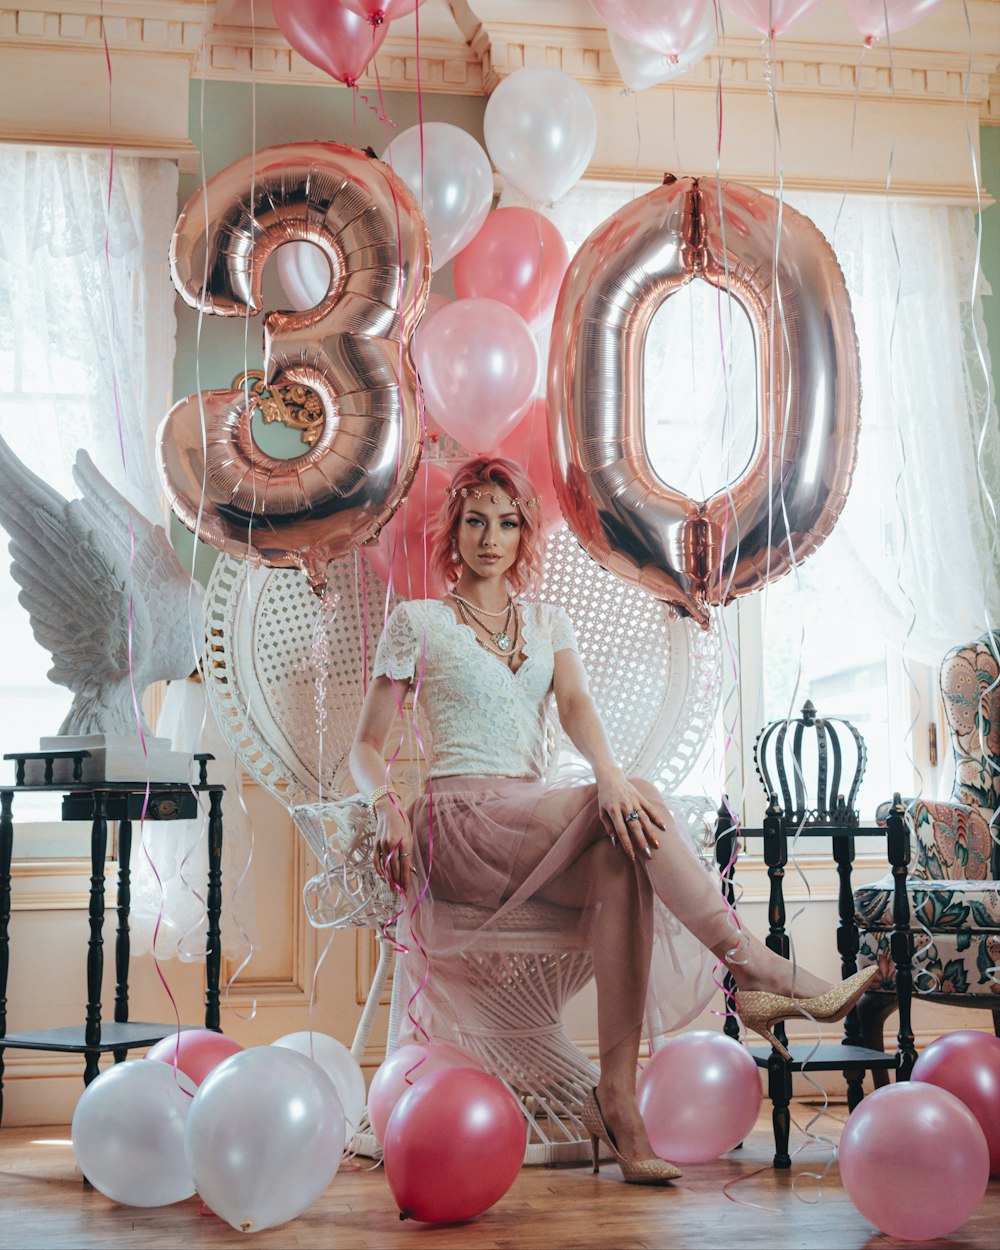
[{"x": 471, "y": 491}]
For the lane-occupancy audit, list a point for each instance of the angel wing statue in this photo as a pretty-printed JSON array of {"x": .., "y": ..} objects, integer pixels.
[{"x": 86, "y": 593}]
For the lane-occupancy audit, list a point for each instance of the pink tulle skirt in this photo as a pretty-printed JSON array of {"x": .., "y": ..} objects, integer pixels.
[{"x": 488, "y": 851}]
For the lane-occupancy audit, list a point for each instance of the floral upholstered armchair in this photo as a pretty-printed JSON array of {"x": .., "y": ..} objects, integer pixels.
[{"x": 953, "y": 885}]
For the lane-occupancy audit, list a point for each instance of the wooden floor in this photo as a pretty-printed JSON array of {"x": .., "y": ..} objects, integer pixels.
[{"x": 43, "y": 1203}]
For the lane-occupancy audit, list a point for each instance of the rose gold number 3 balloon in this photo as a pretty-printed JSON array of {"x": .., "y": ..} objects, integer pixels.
[
  {"x": 352, "y": 349},
  {"x": 696, "y": 554}
]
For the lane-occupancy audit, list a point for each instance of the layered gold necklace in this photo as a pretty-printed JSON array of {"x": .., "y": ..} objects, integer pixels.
[{"x": 501, "y": 643}]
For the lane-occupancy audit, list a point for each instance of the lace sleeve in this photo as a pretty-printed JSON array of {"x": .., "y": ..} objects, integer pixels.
[
  {"x": 562, "y": 633},
  {"x": 397, "y": 650}
]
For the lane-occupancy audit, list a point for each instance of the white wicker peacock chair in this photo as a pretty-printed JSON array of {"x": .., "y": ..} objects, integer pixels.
[{"x": 656, "y": 681}]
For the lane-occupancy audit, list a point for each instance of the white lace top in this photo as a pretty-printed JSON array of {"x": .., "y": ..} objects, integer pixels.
[{"x": 485, "y": 720}]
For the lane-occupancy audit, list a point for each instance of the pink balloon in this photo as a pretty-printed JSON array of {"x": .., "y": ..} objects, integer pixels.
[
  {"x": 198, "y": 1051},
  {"x": 329, "y": 35},
  {"x": 453, "y": 1146},
  {"x": 642, "y": 67},
  {"x": 478, "y": 365},
  {"x": 914, "y": 1161},
  {"x": 402, "y": 545},
  {"x": 967, "y": 1064},
  {"x": 669, "y": 26},
  {"x": 382, "y": 12},
  {"x": 772, "y": 17},
  {"x": 404, "y": 1067},
  {"x": 699, "y": 1096},
  {"x": 869, "y": 16},
  {"x": 519, "y": 258},
  {"x": 528, "y": 446}
]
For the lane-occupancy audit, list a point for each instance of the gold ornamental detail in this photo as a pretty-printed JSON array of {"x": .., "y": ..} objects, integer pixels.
[{"x": 296, "y": 406}]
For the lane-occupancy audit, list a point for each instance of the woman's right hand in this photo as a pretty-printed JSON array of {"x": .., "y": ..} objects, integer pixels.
[{"x": 393, "y": 850}]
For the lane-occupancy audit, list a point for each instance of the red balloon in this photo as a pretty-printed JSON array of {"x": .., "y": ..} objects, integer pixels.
[
  {"x": 330, "y": 36},
  {"x": 198, "y": 1051},
  {"x": 403, "y": 545},
  {"x": 453, "y": 1146},
  {"x": 404, "y": 1067},
  {"x": 519, "y": 258},
  {"x": 528, "y": 446},
  {"x": 967, "y": 1064}
]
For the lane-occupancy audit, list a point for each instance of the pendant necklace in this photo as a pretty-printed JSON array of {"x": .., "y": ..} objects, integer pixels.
[{"x": 502, "y": 639}]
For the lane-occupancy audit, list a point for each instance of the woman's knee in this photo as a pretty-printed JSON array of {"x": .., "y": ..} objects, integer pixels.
[{"x": 621, "y": 875}]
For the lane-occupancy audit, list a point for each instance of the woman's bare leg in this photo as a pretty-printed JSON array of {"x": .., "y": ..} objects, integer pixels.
[
  {"x": 622, "y": 945},
  {"x": 621, "y": 952},
  {"x": 692, "y": 894}
]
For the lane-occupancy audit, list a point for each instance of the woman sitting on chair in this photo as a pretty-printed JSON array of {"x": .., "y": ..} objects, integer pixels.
[{"x": 489, "y": 830}]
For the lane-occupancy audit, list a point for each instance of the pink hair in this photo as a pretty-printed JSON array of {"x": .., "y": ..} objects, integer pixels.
[{"x": 526, "y": 571}]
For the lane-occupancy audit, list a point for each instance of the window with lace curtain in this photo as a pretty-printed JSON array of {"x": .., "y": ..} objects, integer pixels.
[
  {"x": 86, "y": 352},
  {"x": 860, "y": 628}
]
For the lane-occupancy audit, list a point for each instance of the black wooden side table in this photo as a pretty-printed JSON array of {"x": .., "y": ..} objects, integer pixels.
[
  {"x": 125, "y": 802},
  {"x": 849, "y": 1056}
]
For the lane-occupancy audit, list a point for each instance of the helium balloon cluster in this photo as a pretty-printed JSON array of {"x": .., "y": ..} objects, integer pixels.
[
  {"x": 656, "y": 41},
  {"x": 477, "y": 356},
  {"x": 357, "y": 241},
  {"x": 354, "y": 239},
  {"x": 258, "y": 1133}
]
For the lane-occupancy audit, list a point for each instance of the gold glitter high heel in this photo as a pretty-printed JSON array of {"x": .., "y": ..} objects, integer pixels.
[
  {"x": 761, "y": 1011},
  {"x": 634, "y": 1171}
]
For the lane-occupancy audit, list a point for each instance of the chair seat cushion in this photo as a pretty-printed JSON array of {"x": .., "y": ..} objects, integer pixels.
[
  {"x": 941, "y": 906},
  {"x": 950, "y": 963}
]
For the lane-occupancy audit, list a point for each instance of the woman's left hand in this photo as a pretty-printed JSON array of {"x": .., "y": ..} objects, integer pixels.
[{"x": 632, "y": 820}]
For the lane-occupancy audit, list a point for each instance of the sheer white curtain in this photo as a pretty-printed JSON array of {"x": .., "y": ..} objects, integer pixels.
[
  {"x": 925, "y": 578},
  {"x": 87, "y": 324},
  {"x": 85, "y": 298},
  {"x": 87, "y": 336}
]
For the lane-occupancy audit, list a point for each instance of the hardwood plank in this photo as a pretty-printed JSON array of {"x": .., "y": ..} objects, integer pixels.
[{"x": 45, "y": 1205}]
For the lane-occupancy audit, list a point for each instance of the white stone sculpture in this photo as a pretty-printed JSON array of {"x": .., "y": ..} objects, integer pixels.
[{"x": 73, "y": 561}]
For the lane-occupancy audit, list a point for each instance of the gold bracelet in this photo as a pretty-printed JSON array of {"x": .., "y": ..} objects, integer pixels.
[{"x": 379, "y": 793}]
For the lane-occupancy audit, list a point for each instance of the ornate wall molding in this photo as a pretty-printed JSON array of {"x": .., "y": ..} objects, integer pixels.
[{"x": 467, "y": 46}]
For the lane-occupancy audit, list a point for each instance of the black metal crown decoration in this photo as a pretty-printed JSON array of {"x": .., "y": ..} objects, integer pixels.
[{"x": 778, "y": 755}]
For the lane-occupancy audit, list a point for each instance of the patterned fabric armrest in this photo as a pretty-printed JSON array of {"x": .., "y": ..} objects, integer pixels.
[{"x": 952, "y": 841}]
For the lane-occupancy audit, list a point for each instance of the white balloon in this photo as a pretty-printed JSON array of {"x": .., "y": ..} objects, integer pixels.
[
  {"x": 304, "y": 274},
  {"x": 128, "y": 1133},
  {"x": 450, "y": 175},
  {"x": 264, "y": 1137},
  {"x": 541, "y": 131},
  {"x": 643, "y": 67},
  {"x": 340, "y": 1066}
]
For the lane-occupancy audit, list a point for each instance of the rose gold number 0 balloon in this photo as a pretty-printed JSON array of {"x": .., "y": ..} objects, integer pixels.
[
  {"x": 695, "y": 554},
  {"x": 352, "y": 349}
]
